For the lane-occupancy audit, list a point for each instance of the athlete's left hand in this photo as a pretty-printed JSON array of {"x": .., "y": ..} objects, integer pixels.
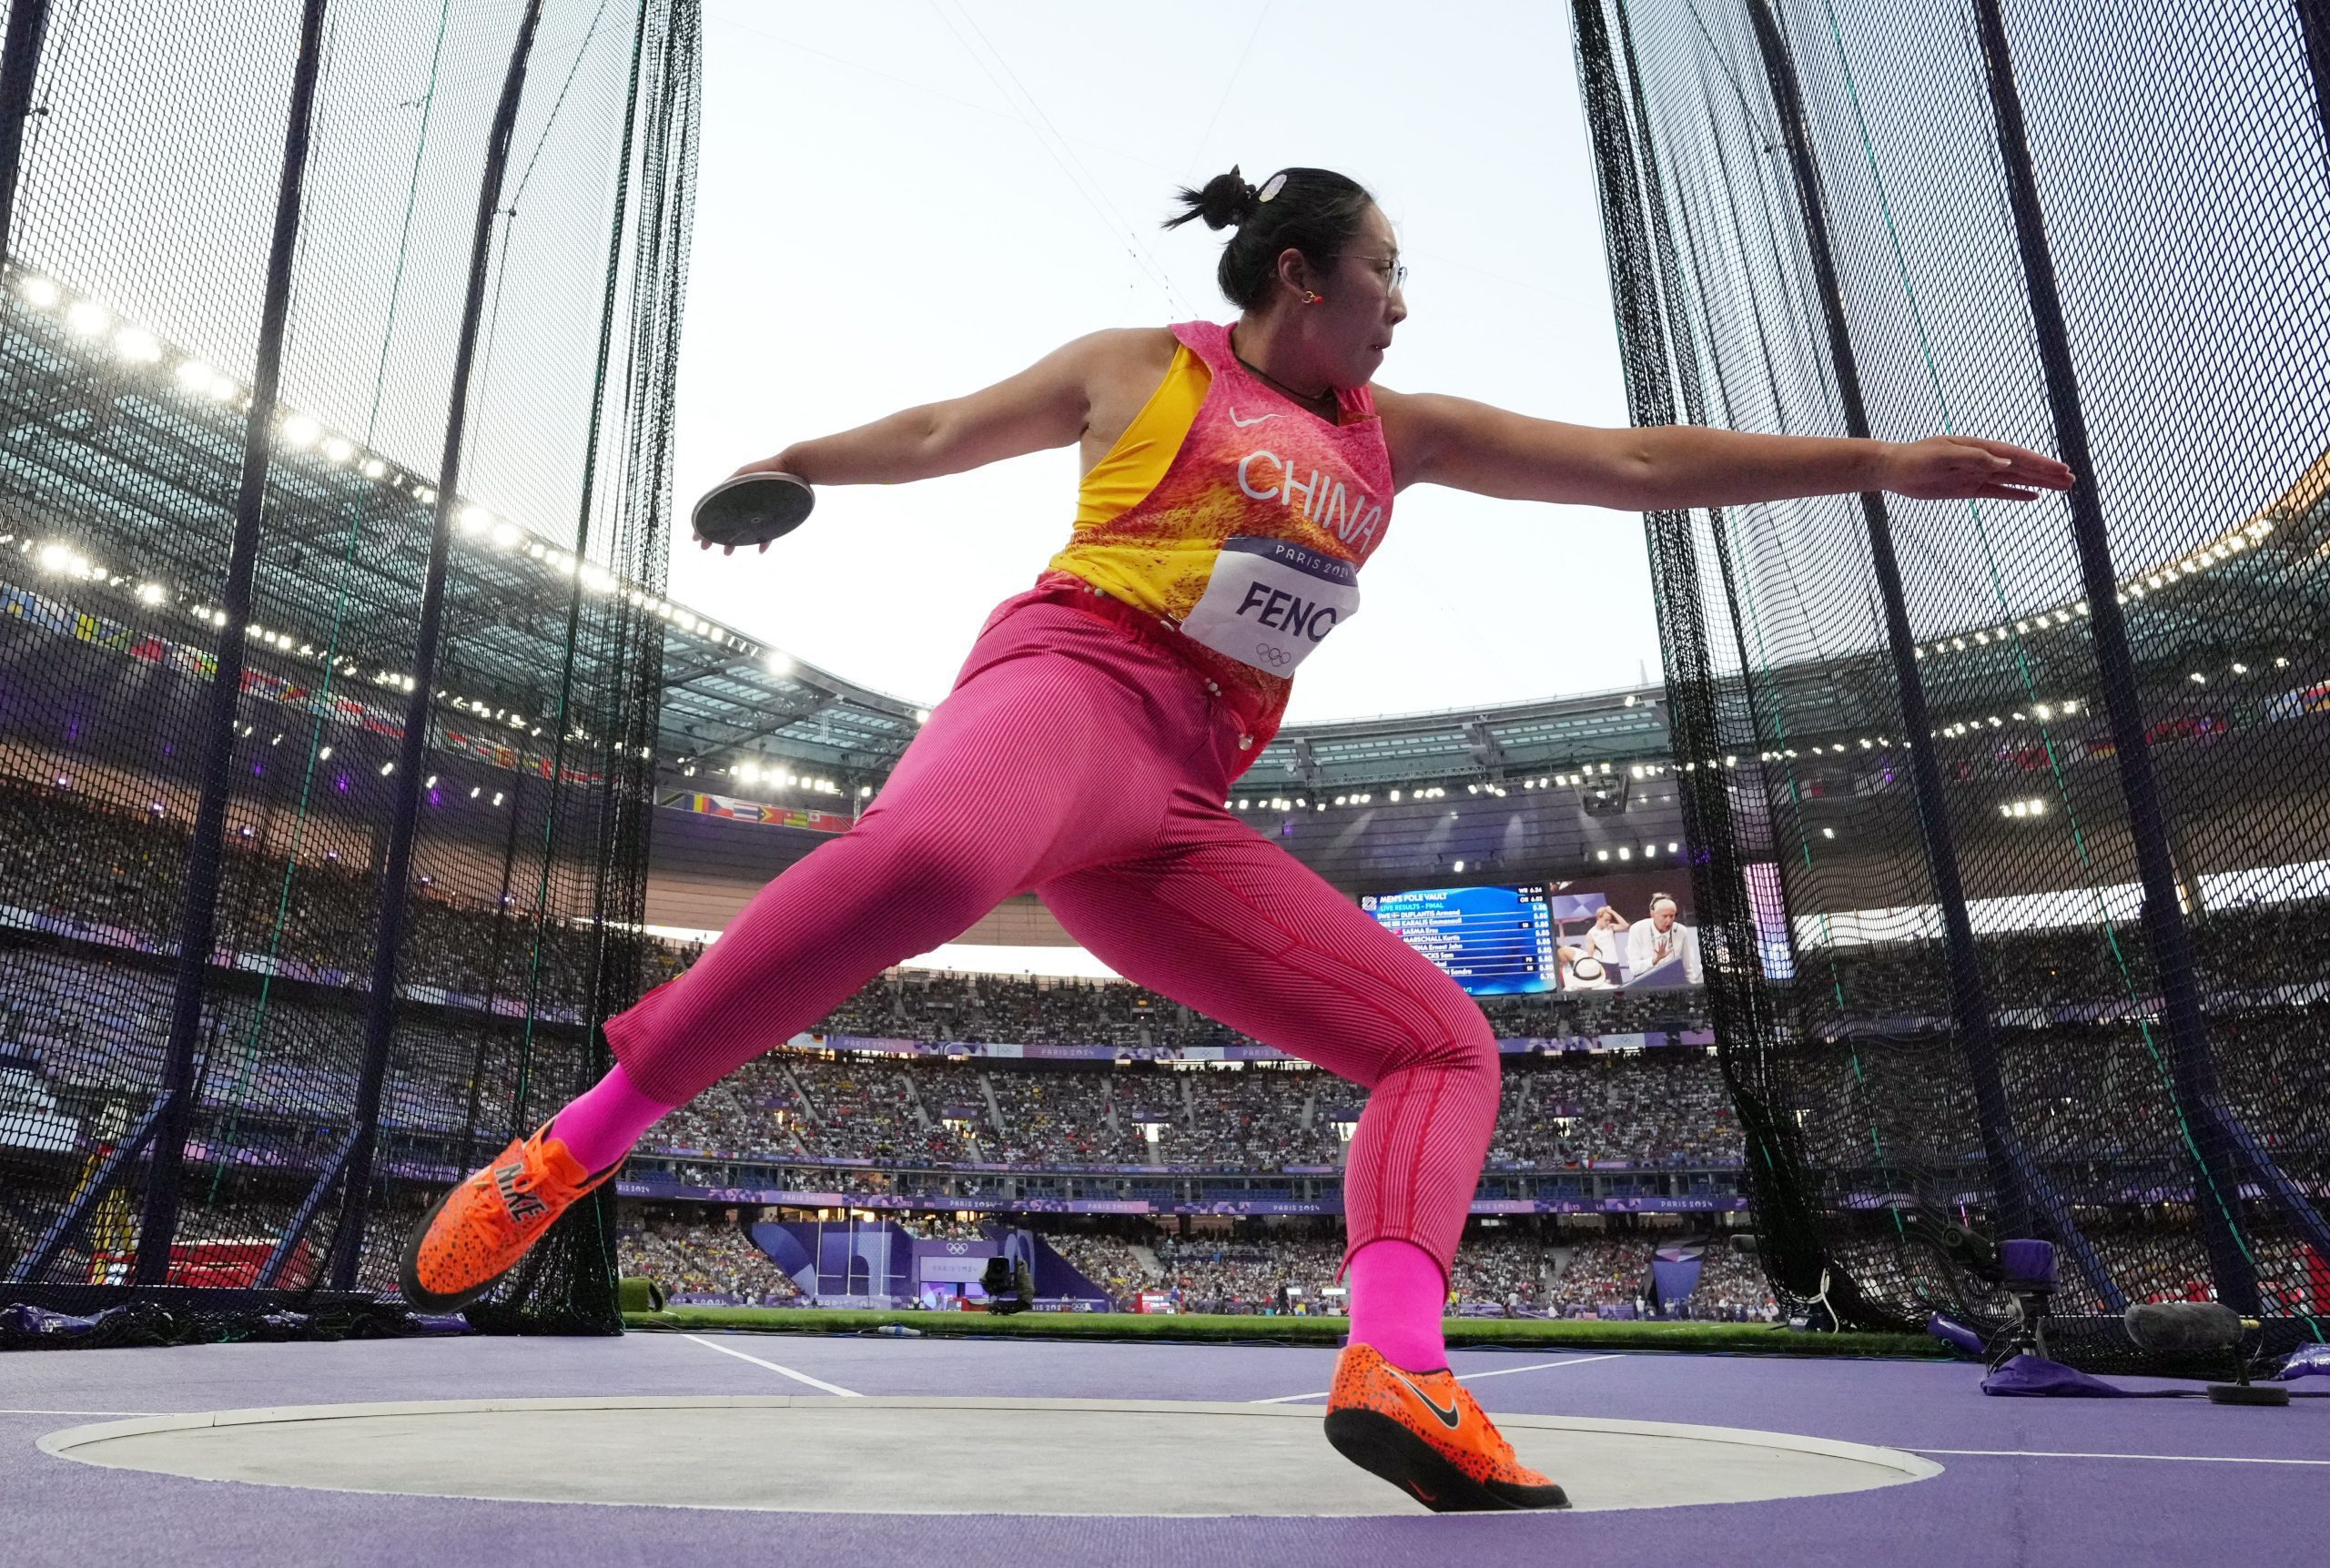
[{"x": 1966, "y": 468}]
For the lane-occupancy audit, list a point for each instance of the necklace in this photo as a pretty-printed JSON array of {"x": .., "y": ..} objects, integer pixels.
[{"x": 1305, "y": 399}]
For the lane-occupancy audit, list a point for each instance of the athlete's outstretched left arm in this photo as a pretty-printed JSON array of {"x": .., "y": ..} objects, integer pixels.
[{"x": 1465, "y": 445}]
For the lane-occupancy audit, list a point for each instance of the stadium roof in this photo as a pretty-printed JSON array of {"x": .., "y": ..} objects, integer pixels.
[{"x": 152, "y": 440}]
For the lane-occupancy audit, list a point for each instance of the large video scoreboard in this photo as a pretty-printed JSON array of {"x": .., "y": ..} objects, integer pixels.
[{"x": 1492, "y": 941}]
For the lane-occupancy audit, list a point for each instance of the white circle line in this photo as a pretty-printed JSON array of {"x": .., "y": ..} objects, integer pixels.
[
  {"x": 1904, "y": 1460},
  {"x": 84, "y": 1445},
  {"x": 835, "y": 1389}
]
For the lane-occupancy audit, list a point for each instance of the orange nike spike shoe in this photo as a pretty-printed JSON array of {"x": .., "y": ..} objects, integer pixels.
[
  {"x": 477, "y": 1232},
  {"x": 1424, "y": 1432}
]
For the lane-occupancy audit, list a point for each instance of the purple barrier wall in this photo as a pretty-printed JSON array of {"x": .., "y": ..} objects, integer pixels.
[
  {"x": 785, "y": 1250},
  {"x": 1675, "y": 1278},
  {"x": 840, "y": 1257},
  {"x": 1057, "y": 1277}
]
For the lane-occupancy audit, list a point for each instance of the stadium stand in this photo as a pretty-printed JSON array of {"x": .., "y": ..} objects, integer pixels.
[
  {"x": 1499, "y": 1272},
  {"x": 703, "y": 1262},
  {"x": 1599, "y": 1274},
  {"x": 110, "y": 874},
  {"x": 1658, "y": 1109},
  {"x": 83, "y": 981}
]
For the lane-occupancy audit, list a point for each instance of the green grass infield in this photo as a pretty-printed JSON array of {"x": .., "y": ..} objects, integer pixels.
[{"x": 1581, "y": 1334}]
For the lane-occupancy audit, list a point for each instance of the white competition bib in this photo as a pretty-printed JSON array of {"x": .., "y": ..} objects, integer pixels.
[{"x": 1271, "y": 601}]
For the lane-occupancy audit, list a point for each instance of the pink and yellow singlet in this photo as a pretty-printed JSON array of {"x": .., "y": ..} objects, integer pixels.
[{"x": 1231, "y": 521}]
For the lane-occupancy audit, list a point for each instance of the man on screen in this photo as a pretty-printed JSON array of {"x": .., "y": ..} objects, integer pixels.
[{"x": 1662, "y": 939}]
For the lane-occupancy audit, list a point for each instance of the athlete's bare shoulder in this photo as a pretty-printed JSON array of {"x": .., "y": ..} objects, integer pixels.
[
  {"x": 1117, "y": 356},
  {"x": 1154, "y": 343},
  {"x": 1121, "y": 367},
  {"x": 1408, "y": 430}
]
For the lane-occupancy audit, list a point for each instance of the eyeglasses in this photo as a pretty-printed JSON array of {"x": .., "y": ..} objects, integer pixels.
[{"x": 1393, "y": 272}]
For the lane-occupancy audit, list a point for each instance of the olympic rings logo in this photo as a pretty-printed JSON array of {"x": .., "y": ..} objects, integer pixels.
[{"x": 1279, "y": 657}]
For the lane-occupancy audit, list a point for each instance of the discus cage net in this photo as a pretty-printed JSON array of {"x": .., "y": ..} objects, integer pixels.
[
  {"x": 2011, "y": 850},
  {"x": 335, "y": 348}
]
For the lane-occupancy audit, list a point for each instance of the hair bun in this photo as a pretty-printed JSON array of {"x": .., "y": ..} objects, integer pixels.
[{"x": 1227, "y": 200}]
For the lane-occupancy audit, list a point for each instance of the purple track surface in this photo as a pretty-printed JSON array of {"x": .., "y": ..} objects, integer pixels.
[{"x": 2054, "y": 1482}]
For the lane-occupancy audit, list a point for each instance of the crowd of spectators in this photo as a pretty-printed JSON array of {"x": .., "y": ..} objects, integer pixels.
[
  {"x": 1601, "y": 1273},
  {"x": 1108, "y": 1261},
  {"x": 1494, "y": 1271},
  {"x": 1656, "y": 1108},
  {"x": 750, "y": 1113},
  {"x": 114, "y": 866},
  {"x": 1203, "y": 1275},
  {"x": 1615, "y": 1273},
  {"x": 1497, "y": 1272},
  {"x": 95, "y": 1033},
  {"x": 1246, "y": 1120},
  {"x": 703, "y": 1261},
  {"x": 88, "y": 1025},
  {"x": 865, "y": 1107},
  {"x": 936, "y": 1227},
  {"x": 1497, "y": 1269},
  {"x": 1732, "y": 1286},
  {"x": 935, "y": 1004},
  {"x": 1057, "y": 1117},
  {"x": 109, "y": 873},
  {"x": 1663, "y": 1109},
  {"x": 112, "y": 870}
]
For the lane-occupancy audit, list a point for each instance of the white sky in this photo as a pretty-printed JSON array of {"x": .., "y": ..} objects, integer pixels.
[{"x": 902, "y": 200}]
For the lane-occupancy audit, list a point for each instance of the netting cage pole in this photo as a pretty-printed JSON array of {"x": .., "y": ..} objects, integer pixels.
[
  {"x": 2027, "y": 1203},
  {"x": 1756, "y": 1021},
  {"x": 2314, "y": 24},
  {"x": 197, "y": 920},
  {"x": 20, "y": 70},
  {"x": 626, "y": 805},
  {"x": 2212, "y": 1138},
  {"x": 1745, "y": 1014},
  {"x": 633, "y": 648},
  {"x": 380, "y": 1010}
]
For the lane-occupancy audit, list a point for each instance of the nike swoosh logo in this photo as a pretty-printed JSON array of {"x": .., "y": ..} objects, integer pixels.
[
  {"x": 1449, "y": 1417},
  {"x": 1257, "y": 420}
]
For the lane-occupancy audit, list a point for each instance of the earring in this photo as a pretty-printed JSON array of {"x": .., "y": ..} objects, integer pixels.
[{"x": 1309, "y": 297}]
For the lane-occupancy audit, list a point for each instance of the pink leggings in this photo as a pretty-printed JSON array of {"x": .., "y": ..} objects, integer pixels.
[{"x": 1076, "y": 760}]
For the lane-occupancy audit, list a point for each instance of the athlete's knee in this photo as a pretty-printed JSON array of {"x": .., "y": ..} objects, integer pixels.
[
  {"x": 1472, "y": 1043},
  {"x": 1455, "y": 1040}
]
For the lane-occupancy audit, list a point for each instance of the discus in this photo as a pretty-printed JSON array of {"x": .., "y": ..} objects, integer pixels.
[{"x": 751, "y": 509}]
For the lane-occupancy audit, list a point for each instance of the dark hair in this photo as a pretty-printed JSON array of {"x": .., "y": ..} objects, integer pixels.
[{"x": 1314, "y": 211}]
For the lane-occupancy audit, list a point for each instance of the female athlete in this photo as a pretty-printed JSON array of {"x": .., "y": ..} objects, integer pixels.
[{"x": 1236, "y": 480}]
